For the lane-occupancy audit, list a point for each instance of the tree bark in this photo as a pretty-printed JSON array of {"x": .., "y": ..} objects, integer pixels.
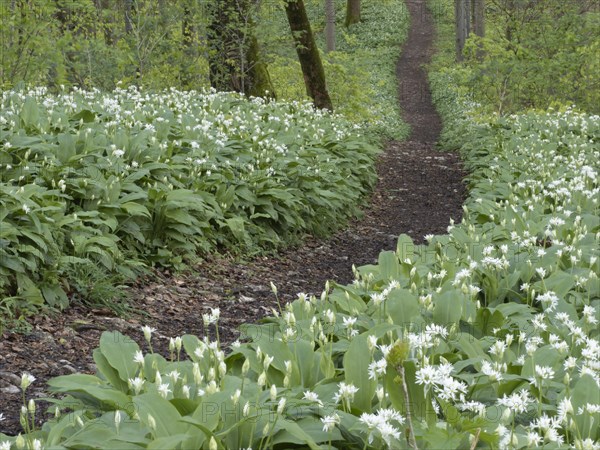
[
  {"x": 461, "y": 17},
  {"x": 330, "y": 25},
  {"x": 128, "y": 16},
  {"x": 352, "y": 12},
  {"x": 234, "y": 55},
  {"x": 479, "y": 17},
  {"x": 308, "y": 54},
  {"x": 479, "y": 24}
]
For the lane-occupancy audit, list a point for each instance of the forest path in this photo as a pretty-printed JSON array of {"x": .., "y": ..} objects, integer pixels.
[{"x": 419, "y": 190}]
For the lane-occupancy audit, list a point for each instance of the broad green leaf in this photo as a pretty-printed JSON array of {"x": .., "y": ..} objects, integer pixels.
[
  {"x": 405, "y": 247},
  {"x": 389, "y": 267},
  {"x": 90, "y": 389},
  {"x": 402, "y": 306},
  {"x": 109, "y": 372},
  {"x": 586, "y": 391},
  {"x": 119, "y": 351},
  {"x": 448, "y": 308},
  {"x": 166, "y": 416}
]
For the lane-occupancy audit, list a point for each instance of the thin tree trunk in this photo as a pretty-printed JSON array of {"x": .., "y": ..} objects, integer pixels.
[
  {"x": 352, "y": 12},
  {"x": 479, "y": 24},
  {"x": 128, "y": 16},
  {"x": 479, "y": 17},
  {"x": 330, "y": 25},
  {"x": 461, "y": 17},
  {"x": 308, "y": 54}
]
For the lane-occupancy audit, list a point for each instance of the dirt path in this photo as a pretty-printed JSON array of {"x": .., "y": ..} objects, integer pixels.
[{"x": 419, "y": 190}]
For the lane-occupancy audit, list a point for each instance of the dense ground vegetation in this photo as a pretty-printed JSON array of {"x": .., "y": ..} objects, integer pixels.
[
  {"x": 127, "y": 179},
  {"x": 534, "y": 55},
  {"x": 484, "y": 337}
]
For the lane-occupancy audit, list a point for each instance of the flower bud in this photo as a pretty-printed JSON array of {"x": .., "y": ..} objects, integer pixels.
[{"x": 246, "y": 367}]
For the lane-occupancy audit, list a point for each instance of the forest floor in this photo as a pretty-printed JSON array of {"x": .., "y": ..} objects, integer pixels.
[{"x": 420, "y": 188}]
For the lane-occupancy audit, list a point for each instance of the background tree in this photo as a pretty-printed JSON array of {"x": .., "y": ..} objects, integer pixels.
[
  {"x": 330, "y": 25},
  {"x": 462, "y": 14},
  {"x": 352, "y": 12},
  {"x": 234, "y": 58},
  {"x": 308, "y": 54}
]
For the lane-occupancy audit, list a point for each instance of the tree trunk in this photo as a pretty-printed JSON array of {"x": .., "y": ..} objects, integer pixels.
[
  {"x": 128, "y": 16},
  {"x": 479, "y": 24},
  {"x": 479, "y": 17},
  {"x": 330, "y": 25},
  {"x": 461, "y": 17},
  {"x": 259, "y": 81},
  {"x": 234, "y": 54},
  {"x": 352, "y": 12},
  {"x": 308, "y": 54}
]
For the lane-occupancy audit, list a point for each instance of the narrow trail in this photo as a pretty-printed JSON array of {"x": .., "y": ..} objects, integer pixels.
[{"x": 419, "y": 190}]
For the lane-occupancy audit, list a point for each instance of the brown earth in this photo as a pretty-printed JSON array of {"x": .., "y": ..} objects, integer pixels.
[{"x": 420, "y": 188}]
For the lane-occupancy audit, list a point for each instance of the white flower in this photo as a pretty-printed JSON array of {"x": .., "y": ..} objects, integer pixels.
[
  {"x": 26, "y": 208},
  {"x": 5, "y": 445},
  {"x": 473, "y": 406},
  {"x": 312, "y": 397},
  {"x": 148, "y": 332},
  {"x": 388, "y": 432},
  {"x": 377, "y": 368},
  {"x": 267, "y": 361},
  {"x": 349, "y": 321},
  {"x": 516, "y": 402},
  {"x": 26, "y": 380},
  {"x": 262, "y": 379},
  {"x": 372, "y": 342},
  {"x": 329, "y": 422},
  {"x": 427, "y": 375},
  {"x": 544, "y": 372},
  {"x": 565, "y": 407},
  {"x": 138, "y": 357},
  {"x": 345, "y": 392},
  {"x": 211, "y": 318},
  {"x": 136, "y": 384},
  {"x": 163, "y": 390},
  {"x": 118, "y": 153},
  {"x": 549, "y": 300},
  {"x": 281, "y": 405},
  {"x": 533, "y": 439}
]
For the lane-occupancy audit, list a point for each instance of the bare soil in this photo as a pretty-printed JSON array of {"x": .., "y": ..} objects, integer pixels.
[{"x": 420, "y": 188}]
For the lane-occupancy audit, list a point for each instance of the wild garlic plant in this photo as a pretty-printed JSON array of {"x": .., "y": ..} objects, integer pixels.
[{"x": 126, "y": 179}]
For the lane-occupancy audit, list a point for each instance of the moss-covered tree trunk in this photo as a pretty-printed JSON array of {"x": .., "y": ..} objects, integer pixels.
[
  {"x": 308, "y": 54},
  {"x": 352, "y": 12},
  {"x": 234, "y": 54}
]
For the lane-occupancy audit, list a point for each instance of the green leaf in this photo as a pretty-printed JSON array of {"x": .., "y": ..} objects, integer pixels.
[
  {"x": 389, "y": 268},
  {"x": 294, "y": 434},
  {"x": 402, "y": 306},
  {"x": 405, "y": 248},
  {"x": 586, "y": 391},
  {"x": 109, "y": 372},
  {"x": 119, "y": 351},
  {"x": 356, "y": 364},
  {"x": 91, "y": 390},
  {"x": 168, "y": 419},
  {"x": 448, "y": 308}
]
